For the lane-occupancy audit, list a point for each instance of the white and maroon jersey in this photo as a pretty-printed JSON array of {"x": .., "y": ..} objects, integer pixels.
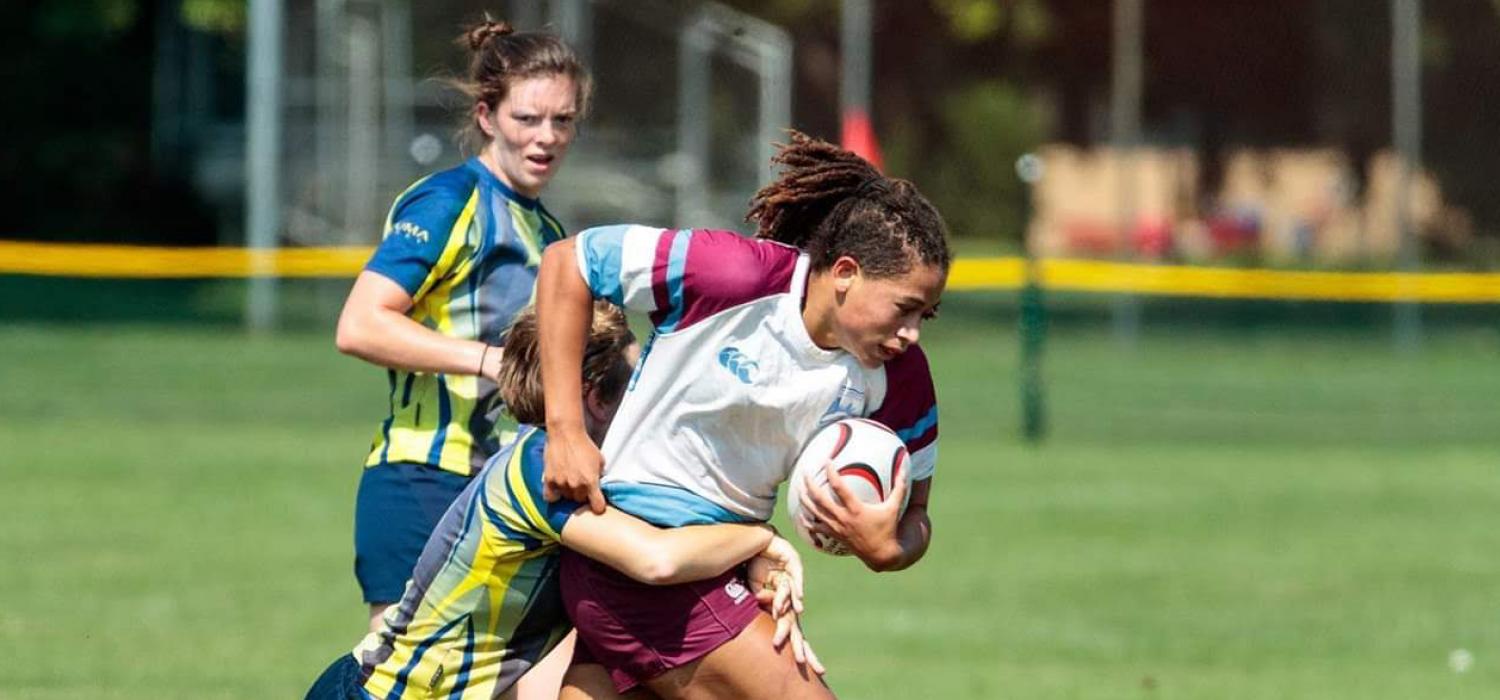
[{"x": 730, "y": 385}]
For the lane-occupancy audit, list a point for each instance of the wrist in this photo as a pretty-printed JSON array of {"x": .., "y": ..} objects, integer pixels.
[
  {"x": 565, "y": 427},
  {"x": 489, "y": 361},
  {"x": 885, "y": 557}
]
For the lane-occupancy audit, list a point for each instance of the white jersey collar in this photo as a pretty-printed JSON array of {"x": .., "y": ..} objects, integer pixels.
[{"x": 799, "y": 334}]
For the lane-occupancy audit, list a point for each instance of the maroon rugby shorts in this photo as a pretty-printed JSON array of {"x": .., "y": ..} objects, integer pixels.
[{"x": 638, "y": 631}]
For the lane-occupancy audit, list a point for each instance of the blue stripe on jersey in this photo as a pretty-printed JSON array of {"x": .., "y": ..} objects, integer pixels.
[
  {"x": 923, "y": 425},
  {"x": 507, "y": 531},
  {"x": 385, "y": 426},
  {"x": 676, "y": 261},
  {"x": 416, "y": 657},
  {"x": 552, "y": 232},
  {"x": 462, "y": 682},
  {"x": 474, "y": 493},
  {"x": 406, "y": 388},
  {"x": 482, "y": 265},
  {"x": 603, "y": 249},
  {"x": 445, "y": 414},
  {"x": 668, "y": 506},
  {"x": 532, "y": 466}
]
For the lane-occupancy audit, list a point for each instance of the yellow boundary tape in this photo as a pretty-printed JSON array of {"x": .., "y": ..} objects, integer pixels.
[{"x": 969, "y": 274}]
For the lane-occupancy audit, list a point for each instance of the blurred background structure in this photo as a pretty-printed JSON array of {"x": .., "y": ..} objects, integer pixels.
[
  {"x": 1260, "y": 255},
  {"x": 1261, "y": 132},
  {"x": 1302, "y": 134}
]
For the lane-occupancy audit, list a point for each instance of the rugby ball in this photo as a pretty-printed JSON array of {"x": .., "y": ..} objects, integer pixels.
[{"x": 865, "y": 453}]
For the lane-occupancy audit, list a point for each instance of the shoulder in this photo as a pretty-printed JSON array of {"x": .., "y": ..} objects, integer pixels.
[
  {"x": 445, "y": 192},
  {"x": 727, "y": 266},
  {"x": 910, "y": 403},
  {"x": 531, "y": 445}
]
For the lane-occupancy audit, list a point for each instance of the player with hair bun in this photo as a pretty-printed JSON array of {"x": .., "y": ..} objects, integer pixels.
[
  {"x": 757, "y": 344},
  {"x": 458, "y": 259}
]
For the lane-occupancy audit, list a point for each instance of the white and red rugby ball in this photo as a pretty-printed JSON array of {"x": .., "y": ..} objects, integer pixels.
[{"x": 865, "y": 453}]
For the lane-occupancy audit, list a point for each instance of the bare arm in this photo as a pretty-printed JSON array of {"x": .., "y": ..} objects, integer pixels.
[
  {"x": 374, "y": 327},
  {"x": 660, "y": 556},
  {"x": 913, "y": 533},
  {"x": 564, "y": 308}
]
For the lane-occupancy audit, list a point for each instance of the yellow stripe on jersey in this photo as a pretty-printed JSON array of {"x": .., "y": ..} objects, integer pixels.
[
  {"x": 529, "y": 236},
  {"x": 468, "y": 252},
  {"x": 487, "y": 589},
  {"x": 458, "y": 239}
]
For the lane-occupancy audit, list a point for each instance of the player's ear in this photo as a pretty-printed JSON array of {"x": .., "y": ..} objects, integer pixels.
[
  {"x": 483, "y": 116},
  {"x": 596, "y": 412},
  {"x": 844, "y": 271}
]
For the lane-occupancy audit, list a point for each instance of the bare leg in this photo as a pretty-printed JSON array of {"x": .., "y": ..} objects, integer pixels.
[
  {"x": 745, "y": 667},
  {"x": 591, "y": 682},
  {"x": 544, "y": 680}
]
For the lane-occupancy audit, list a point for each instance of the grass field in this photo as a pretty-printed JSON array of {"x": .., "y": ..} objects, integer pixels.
[{"x": 1217, "y": 514}]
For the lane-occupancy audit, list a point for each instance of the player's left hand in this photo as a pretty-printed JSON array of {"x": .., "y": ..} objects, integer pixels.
[
  {"x": 776, "y": 578},
  {"x": 868, "y": 528},
  {"x": 788, "y": 619}
]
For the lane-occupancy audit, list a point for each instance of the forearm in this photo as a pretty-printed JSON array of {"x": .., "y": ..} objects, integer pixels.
[
  {"x": 913, "y": 535},
  {"x": 564, "y": 308},
  {"x": 374, "y": 327},
  {"x": 390, "y": 339},
  {"x": 662, "y": 556},
  {"x": 697, "y": 552}
]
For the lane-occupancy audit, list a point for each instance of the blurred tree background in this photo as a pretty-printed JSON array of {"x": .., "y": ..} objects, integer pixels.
[{"x": 961, "y": 88}]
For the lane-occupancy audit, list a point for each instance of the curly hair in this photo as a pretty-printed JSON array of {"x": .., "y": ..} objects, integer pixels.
[{"x": 832, "y": 203}]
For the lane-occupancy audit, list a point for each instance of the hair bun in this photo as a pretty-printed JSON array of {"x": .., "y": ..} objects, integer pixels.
[{"x": 483, "y": 31}]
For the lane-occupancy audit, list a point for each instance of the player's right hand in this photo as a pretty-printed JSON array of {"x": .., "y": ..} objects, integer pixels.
[{"x": 573, "y": 466}]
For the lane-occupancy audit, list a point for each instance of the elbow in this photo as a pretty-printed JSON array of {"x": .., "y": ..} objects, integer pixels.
[
  {"x": 658, "y": 570},
  {"x": 883, "y": 564},
  {"x": 560, "y": 253},
  {"x": 349, "y": 337},
  {"x": 345, "y": 338}
]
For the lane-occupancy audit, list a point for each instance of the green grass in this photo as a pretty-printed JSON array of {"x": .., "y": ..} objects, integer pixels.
[{"x": 1254, "y": 514}]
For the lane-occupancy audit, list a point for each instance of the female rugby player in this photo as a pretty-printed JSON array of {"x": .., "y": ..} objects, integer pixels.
[
  {"x": 457, "y": 262},
  {"x": 757, "y": 344}
]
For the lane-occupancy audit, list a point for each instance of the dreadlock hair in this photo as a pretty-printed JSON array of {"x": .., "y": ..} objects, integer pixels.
[
  {"x": 605, "y": 365},
  {"x": 832, "y": 203}
]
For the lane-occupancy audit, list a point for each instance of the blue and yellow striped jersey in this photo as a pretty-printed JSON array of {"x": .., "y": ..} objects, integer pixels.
[
  {"x": 466, "y": 248},
  {"x": 483, "y": 605}
]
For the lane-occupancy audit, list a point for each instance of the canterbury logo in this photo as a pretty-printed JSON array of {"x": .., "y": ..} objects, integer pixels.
[
  {"x": 739, "y": 364},
  {"x": 736, "y": 591}
]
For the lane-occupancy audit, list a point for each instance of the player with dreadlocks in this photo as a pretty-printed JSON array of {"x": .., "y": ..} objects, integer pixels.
[{"x": 757, "y": 344}]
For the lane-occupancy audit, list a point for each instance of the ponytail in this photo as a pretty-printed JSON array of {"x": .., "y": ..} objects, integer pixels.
[{"x": 832, "y": 203}]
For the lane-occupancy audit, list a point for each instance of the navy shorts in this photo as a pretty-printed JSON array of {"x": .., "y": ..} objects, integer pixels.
[
  {"x": 397, "y": 507},
  {"x": 340, "y": 681}
]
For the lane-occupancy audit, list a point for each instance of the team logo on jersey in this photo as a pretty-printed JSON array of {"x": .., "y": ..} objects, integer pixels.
[
  {"x": 848, "y": 403},
  {"x": 410, "y": 230},
  {"x": 739, "y": 364},
  {"x": 736, "y": 591}
]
